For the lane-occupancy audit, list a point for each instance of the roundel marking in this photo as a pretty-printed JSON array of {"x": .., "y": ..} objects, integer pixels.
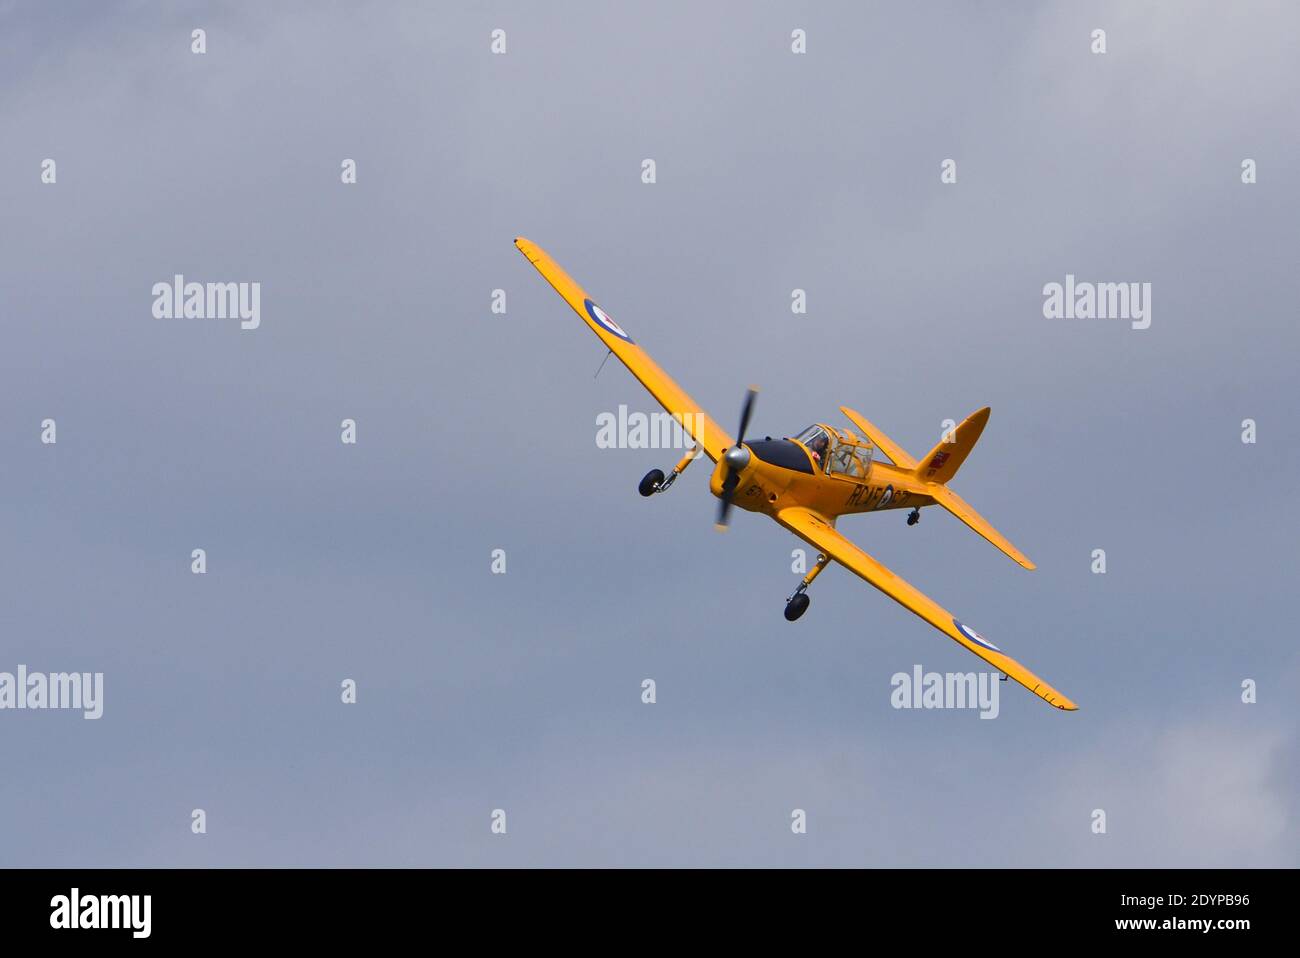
[
  {"x": 605, "y": 321},
  {"x": 974, "y": 636}
]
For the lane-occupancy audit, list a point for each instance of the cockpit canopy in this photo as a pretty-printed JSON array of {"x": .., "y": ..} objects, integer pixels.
[{"x": 837, "y": 451}]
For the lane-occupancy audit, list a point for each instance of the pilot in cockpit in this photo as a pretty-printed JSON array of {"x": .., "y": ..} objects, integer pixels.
[{"x": 816, "y": 441}]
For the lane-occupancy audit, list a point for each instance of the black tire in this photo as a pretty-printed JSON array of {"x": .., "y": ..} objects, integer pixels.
[
  {"x": 651, "y": 482},
  {"x": 913, "y": 519},
  {"x": 796, "y": 606}
]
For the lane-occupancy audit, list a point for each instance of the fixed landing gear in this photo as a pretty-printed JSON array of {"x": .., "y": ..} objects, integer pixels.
[
  {"x": 797, "y": 604},
  {"x": 913, "y": 517},
  {"x": 651, "y": 483},
  {"x": 654, "y": 481}
]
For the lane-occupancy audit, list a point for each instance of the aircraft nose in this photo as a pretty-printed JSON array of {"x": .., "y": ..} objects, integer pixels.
[{"x": 737, "y": 458}]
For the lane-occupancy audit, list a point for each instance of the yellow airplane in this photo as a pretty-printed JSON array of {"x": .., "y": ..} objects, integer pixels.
[{"x": 807, "y": 482}]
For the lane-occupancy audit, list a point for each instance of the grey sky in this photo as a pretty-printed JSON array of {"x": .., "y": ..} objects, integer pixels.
[{"x": 476, "y": 431}]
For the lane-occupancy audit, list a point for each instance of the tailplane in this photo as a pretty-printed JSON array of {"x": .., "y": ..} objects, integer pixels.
[
  {"x": 960, "y": 508},
  {"x": 940, "y": 465},
  {"x": 886, "y": 445}
]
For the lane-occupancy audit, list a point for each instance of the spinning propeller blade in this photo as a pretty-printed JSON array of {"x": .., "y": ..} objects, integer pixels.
[{"x": 736, "y": 459}]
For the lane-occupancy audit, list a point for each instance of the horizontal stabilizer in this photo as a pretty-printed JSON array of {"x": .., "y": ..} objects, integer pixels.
[
  {"x": 960, "y": 508},
  {"x": 882, "y": 442}
]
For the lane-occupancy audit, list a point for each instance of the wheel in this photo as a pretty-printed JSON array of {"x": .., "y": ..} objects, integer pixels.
[
  {"x": 651, "y": 482},
  {"x": 913, "y": 518},
  {"x": 796, "y": 607}
]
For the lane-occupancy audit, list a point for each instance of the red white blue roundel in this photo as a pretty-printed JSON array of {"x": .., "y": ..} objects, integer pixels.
[
  {"x": 974, "y": 636},
  {"x": 605, "y": 321}
]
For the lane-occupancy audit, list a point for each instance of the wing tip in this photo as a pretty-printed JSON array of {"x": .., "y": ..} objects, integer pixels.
[{"x": 532, "y": 252}]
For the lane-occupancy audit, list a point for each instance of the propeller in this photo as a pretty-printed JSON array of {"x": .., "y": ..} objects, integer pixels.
[{"x": 736, "y": 459}]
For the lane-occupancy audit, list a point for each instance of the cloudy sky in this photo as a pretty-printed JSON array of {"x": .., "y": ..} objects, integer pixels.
[{"x": 476, "y": 431}]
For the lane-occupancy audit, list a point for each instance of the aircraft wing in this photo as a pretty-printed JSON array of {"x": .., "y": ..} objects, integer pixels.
[
  {"x": 819, "y": 533},
  {"x": 713, "y": 439}
]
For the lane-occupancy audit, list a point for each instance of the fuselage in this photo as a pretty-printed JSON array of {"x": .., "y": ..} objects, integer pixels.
[{"x": 783, "y": 472}]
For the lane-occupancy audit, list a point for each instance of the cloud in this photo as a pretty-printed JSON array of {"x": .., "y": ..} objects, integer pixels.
[{"x": 1197, "y": 794}]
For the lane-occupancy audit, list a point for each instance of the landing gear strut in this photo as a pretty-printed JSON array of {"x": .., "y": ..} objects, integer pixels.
[
  {"x": 797, "y": 604},
  {"x": 654, "y": 481},
  {"x": 913, "y": 517}
]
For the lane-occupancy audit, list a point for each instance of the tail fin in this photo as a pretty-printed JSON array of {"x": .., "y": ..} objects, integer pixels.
[{"x": 941, "y": 463}]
